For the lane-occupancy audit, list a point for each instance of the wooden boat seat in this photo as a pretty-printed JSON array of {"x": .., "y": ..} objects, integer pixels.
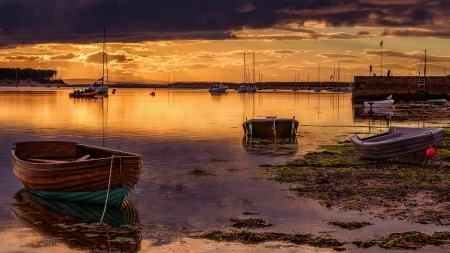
[{"x": 83, "y": 158}]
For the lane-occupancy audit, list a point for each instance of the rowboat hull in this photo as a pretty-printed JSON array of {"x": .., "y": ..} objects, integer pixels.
[
  {"x": 398, "y": 141},
  {"x": 270, "y": 127},
  {"x": 66, "y": 221},
  {"x": 110, "y": 174}
]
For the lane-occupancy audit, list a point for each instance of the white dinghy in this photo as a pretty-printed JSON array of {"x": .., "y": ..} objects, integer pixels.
[
  {"x": 388, "y": 102},
  {"x": 398, "y": 141}
]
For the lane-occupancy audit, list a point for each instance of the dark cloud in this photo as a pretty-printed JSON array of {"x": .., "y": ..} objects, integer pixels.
[
  {"x": 363, "y": 33},
  {"x": 97, "y": 58},
  {"x": 411, "y": 32},
  {"x": 415, "y": 56},
  {"x": 82, "y": 21}
]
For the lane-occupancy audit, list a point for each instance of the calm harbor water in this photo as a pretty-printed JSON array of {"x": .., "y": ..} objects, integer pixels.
[{"x": 177, "y": 132}]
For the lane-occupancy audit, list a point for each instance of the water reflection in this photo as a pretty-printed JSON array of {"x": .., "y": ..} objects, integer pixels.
[
  {"x": 218, "y": 94},
  {"x": 379, "y": 111},
  {"x": 270, "y": 146},
  {"x": 77, "y": 224}
]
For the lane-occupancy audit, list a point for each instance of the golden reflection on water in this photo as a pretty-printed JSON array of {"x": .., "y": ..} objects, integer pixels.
[{"x": 168, "y": 113}]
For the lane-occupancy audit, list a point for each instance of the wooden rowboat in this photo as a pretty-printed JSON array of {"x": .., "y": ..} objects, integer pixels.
[
  {"x": 76, "y": 172},
  {"x": 398, "y": 141},
  {"x": 77, "y": 224},
  {"x": 270, "y": 127}
]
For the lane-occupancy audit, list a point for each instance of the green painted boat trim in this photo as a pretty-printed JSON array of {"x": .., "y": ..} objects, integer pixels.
[
  {"x": 436, "y": 101},
  {"x": 115, "y": 196},
  {"x": 116, "y": 217}
]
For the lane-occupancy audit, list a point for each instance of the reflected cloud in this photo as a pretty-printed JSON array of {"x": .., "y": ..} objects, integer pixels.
[{"x": 77, "y": 224}]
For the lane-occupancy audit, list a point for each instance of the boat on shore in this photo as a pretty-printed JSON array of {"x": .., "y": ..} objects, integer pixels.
[
  {"x": 71, "y": 171},
  {"x": 270, "y": 126},
  {"x": 388, "y": 102},
  {"x": 218, "y": 87},
  {"x": 398, "y": 141},
  {"x": 436, "y": 101}
]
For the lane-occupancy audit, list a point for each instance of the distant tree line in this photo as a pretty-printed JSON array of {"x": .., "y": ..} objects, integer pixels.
[{"x": 37, "y": 75}]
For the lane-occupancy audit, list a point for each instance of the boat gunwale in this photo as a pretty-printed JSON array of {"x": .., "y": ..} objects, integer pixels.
[{"x": 119, "y": 157}]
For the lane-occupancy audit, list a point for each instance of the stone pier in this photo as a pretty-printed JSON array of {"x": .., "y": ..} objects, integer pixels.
[{"x": 404, "y": 88}]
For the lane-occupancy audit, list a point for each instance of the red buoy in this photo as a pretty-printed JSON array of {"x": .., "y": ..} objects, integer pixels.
[{"x": 431, "y": 152}]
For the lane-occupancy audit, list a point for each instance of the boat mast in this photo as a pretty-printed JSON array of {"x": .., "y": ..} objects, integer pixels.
[
  {"x": 253, "y": 81},
  {"x": 103, "y": 58},
  {"x": 245, "y": 71}
]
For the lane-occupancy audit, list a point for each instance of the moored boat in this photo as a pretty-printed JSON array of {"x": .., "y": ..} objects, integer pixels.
[
  {"x": 247, "y": 89},
  {"x": 436, "y": 101},
  {"x": 218, "y": 87},
  {"x": 75, "y": 172},
  {"x": 388, "y": 102},
  {"x": 100, "y": 83},
  {"x": 84, "y": 93},
  {"x": 270, "y": 127},
  {"x": 398, "y": 141}
]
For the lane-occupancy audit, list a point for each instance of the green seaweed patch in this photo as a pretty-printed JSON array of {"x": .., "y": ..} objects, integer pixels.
[
  {"x": 350, "y": 225},
  {"x": 256, "y": 238},
  {"x": 289, "y": 174},
  {"x": 339, "y": 149},
  {"x": 433, "y": 212},
  {"x": 408, "y": 240},
  {"x": 250, "y": 223}
]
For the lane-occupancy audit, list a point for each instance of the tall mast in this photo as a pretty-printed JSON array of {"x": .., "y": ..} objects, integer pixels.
[
  {"x": 103, "y": 58},
  {"x": 253, "y": 81},
  {"x": 245, "y": 71}
]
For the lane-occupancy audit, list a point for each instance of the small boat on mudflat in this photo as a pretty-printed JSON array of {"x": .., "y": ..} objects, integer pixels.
[
  {"x": 388, "y": 102},
  {"x": 436, "y": 101},
  {"x": 75, "y": 172},
  {"x": 398, "y": 141},
  {"x": 270, "y": 127}
]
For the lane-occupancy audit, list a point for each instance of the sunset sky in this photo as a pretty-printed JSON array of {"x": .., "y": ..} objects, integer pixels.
[{"x": 150, "y": 41}]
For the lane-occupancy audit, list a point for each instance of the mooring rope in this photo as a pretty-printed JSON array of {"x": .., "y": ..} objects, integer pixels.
[{"x": 109, "y": 185}]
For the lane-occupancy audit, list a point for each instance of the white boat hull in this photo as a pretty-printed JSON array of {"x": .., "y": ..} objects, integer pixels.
[
  {"x": 398, "y": 141},
  {"x": 382, "y": 103},
  {"x": 101, "y": 89}
]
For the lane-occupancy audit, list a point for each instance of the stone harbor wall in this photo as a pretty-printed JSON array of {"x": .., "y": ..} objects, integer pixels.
[{"x": 400, "y": 87}]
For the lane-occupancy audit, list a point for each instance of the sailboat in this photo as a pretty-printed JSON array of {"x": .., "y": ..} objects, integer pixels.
[
  {"x": 99, "y": 84},
  {"x": 318, "y": 88},
  {"x": 247, "y": 88}
]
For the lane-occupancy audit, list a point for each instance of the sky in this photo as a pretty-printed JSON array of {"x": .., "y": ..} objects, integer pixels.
[{"x": 154, "y": 41}]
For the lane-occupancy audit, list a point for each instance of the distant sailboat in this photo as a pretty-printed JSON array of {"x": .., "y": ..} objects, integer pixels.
[
  {"x": 318, "y": 88},
  {"x": 100, "y": 84}
]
